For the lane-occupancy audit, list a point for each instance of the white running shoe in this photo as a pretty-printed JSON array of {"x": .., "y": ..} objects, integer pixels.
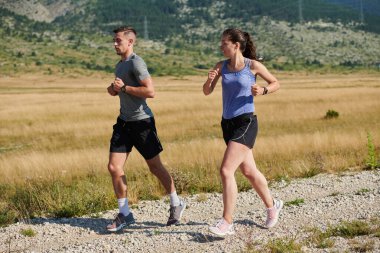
[
  {"x": 273, "y": 213},
  {"x": 222, "y": 228}
]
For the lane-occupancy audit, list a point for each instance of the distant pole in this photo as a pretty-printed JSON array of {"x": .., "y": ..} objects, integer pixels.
[
  {"x": 300, "y": 11},
  {"x": 361, "y": 12},
  {"x": 146, "y": 36}
]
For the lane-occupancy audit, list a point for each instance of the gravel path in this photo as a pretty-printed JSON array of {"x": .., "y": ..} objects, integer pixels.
[{"x": 328, "y": 200}]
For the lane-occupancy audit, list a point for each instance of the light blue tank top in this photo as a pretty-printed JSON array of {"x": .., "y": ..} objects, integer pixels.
[{"x": 236, "y": 90}]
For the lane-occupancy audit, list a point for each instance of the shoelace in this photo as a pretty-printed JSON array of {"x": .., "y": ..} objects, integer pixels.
[
  {"x": 220, "y": 223},
  {"x": 117, "y": 219},
  {"x": 171, "y": 211}
]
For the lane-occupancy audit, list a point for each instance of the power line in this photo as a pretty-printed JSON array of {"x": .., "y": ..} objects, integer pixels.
[
  {"x": 361, "y": 12},
  {"x": 146, "y": 35}
]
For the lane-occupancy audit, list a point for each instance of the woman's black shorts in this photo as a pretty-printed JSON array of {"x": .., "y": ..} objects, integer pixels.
[
  {"x": 242, "y": 129},
  {"x": 141, "y": 134}
]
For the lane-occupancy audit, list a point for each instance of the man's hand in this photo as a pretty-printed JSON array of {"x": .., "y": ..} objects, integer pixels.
[{"x": 118, "y": 84}]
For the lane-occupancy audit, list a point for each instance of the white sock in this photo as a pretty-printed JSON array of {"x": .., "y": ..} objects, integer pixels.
[
  {"x": 123, "y": 206},
  {"x": 174, "y": 200}
]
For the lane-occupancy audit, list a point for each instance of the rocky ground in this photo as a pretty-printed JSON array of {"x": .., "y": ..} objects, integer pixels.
[{"x": 327, "y": 200}]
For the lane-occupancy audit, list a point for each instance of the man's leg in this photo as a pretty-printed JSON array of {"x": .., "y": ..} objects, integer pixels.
[
  {"x": 115, "y": 167},
  {"x": 176, "y": 205},
  {"x": 157, "y": 168}
]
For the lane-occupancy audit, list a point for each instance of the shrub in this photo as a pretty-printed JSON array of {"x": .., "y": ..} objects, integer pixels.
[
  {"x": 371, "y": 158},
  {"x": 331, "y": 114}
]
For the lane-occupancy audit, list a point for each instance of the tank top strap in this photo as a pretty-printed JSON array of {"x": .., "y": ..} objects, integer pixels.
[
  {"x": 224, "y": 67},
  {"x": 247, "y": 62}
]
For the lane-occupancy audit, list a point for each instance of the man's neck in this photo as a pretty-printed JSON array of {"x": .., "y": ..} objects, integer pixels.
[{"x": 126, "y": 55}]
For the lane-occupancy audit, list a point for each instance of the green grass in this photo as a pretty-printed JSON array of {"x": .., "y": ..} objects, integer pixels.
[
  {"x": 280, "y": 245},
  {"x": 28, "y": 232},
  {"x": 362, "y": 191},
  {"x": 296, "y": 202},
  {"x": 345, "y": 229},
  {"x": 56, "y": 198},
  {"x": 318, "y": 239}
]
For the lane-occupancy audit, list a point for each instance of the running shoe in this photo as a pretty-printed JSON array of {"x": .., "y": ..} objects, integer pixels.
[
  {"x": 175, "y": 213},
  {"x": 222, "y": 228},
  {"x": 273, "y": 213},
  {"x": 120, "y": 221}
]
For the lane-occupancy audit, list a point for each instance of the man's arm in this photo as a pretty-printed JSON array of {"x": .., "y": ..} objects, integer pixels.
[{"x": 146, "y": 90}]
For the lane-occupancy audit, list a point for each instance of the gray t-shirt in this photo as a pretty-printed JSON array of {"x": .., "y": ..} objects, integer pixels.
[{"x": 131, "y": 71}]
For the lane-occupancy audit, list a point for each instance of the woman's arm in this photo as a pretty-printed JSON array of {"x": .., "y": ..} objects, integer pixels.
[
  {"x": 273, "y": 84},
  {"x": 212, "y": 79}
]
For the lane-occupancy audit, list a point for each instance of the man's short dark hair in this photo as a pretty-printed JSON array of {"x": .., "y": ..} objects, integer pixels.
[{"x": 125, "y": 29}]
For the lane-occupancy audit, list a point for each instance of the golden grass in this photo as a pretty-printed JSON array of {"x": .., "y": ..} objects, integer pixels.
[{"x": 60, "y": 127}]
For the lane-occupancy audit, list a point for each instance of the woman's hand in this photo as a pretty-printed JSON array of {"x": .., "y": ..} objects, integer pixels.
[
  {"x": 257, "y": 90},
  {"x": 212, "y": 74}
]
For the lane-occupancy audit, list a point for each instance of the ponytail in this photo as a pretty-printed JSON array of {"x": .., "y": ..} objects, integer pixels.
[{"x": 250, "y": 48}]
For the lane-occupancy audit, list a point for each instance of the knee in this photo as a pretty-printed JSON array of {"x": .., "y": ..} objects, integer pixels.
[
  {"x": 114, "y": 170},
  {"x": 226, "y": 173},
  {"x": 247, "y": 174}
]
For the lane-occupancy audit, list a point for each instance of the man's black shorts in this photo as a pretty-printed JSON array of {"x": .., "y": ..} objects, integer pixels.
[
  {"x": 242, "y": 129},
  {"x": 141, "y": 134}
]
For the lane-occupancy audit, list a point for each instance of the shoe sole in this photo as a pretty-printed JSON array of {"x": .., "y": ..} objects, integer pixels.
[
  {"x": 121, "y": 226},
  {"x": 117, "y": 228},
  {"x": 222, "y": 234}
]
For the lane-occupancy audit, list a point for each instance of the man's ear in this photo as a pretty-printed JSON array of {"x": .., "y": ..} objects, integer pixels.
[{"x": 130, "y": 42}]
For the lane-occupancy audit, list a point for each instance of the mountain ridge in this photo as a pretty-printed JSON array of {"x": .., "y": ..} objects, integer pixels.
[{"x": 186, "y": 32}]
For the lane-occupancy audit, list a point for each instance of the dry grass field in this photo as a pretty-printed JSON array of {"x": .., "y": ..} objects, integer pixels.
[{"x": 58, "y": 129}]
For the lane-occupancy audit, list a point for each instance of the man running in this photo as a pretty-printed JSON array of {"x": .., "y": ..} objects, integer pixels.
[{"x": 135, "y": 127}]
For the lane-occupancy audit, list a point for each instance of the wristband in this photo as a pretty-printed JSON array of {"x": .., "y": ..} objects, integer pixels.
[{"x": 265, "y": 91}]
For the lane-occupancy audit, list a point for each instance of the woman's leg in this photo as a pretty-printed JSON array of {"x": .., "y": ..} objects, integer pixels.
[
  {"x": 233, "y": 157},
  {"x": 257, "y": 179}
]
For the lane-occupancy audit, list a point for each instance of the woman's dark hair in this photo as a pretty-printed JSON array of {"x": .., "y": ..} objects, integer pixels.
[{"x": 247, "y": 46}]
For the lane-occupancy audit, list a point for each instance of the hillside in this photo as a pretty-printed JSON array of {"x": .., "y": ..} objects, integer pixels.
[{"x": 74, "y": 36}]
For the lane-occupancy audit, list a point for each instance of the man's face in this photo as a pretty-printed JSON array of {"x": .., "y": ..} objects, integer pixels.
[{"x": 122, "y": 42}]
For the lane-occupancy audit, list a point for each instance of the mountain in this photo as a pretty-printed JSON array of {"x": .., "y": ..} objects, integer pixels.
[
  {"x": 170, "y": 15},
  {"x": 57, "y": 35},
  {"x": 43, "y": 10}
]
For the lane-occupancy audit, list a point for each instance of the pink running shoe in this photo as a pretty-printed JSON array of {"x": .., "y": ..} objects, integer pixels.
[
  {"x": 273, "y": 213},
  {"x": 222, "y": 228}
]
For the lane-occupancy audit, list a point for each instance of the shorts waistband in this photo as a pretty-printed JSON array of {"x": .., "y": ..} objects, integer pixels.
[{"x": 241, "y": 116}]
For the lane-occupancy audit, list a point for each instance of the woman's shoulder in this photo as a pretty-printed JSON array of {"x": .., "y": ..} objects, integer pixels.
[{"x": 254, "y": 64}]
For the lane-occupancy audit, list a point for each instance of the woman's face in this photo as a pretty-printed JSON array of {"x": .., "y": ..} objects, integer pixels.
[{"x": 227, "y": 47}]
